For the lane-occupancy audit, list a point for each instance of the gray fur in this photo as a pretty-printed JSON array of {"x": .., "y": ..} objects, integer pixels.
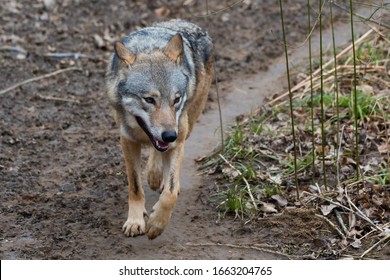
[
  {"x": 197, "y": 47},
  {"x": 158, "y": 81},
  {"x": 148, "y": 76}
]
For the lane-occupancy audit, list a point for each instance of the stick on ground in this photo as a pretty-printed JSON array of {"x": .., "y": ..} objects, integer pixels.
[{"x": 75, "y": 68}]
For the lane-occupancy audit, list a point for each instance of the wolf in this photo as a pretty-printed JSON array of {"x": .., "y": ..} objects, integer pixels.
[{"x": 158, "y": 81}]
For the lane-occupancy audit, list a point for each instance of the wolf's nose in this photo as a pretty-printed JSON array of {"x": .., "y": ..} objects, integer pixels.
[{"x": 169, "y": 136}]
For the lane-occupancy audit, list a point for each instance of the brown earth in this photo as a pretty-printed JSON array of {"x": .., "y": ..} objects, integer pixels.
[{"x": 63, "y": 188}]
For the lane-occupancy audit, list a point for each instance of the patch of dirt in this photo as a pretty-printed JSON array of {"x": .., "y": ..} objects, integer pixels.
[{"x": 63, "y": 188}]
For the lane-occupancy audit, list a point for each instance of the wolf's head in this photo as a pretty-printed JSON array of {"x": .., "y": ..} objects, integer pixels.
[{"x": 153, "y": 89}]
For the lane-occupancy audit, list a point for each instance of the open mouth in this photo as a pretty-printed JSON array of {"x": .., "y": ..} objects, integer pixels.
[{"x": 157, "y": 144}]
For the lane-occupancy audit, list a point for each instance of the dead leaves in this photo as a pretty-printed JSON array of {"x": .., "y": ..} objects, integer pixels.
[
  {"x": 384, "y": 148},
  {"x": 162, "y": 12},
  {"x": 268, "y": 208},
  {"x": 327, "y": 209},
  {"x": 280, "y": 200}
]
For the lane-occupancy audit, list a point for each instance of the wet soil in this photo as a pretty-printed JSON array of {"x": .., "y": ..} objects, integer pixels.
[{"x": 63, "y": 189}]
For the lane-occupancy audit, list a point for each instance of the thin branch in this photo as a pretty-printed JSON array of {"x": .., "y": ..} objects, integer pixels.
[
  {"x": 228, "y": 7},
  {"x": 346, "y": 208},
  {"x": 361, "y": 214},
  {"x": 363, "y": 18},
  {"x": 323, "y": 136},
  {"x": 52, "y": 98},
  {"x": 342, "y": 235},
  {"x": 355, "y": 99},
  {"x": 257, "y": 247},
  {"x": 75, "y": 56},
  {"x": 75, "y": 68},
  {"x": 13, "y": 49},
  {"x": 384, "y": 239},
  {"x": 216, "y": 85},
  {"x": 291, "y": 102}
]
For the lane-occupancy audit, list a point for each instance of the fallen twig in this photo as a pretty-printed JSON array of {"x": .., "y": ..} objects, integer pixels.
[
  {"x": 344, "y": 71},
  {"x": 346, "y": 208},
  {"x": 213, "y": 13},
  {"x": 258, "y": 247},
  {"x": 39, "y": 78},
  {"x": 361, "y": 214},
  {"x": 342, "y": 235},
  {"x": 13, "y": 49},
  {"x": 383, "y": 36},
  {"x": 387, "y": 237},
  {"x": 361, "y": 17},
  {"x": 57, "y": 99},
  {"x": 75, "y": 56}
]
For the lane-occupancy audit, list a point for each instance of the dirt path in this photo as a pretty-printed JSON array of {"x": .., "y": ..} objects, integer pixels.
[{"x": 63, "y": 190}]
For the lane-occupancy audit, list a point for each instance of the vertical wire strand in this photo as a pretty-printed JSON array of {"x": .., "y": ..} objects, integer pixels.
[{"x": 216, "y": 83}]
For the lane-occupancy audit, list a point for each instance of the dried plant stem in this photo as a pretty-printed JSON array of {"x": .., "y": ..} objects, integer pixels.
[
  {"x": 354, "y": 91},
  {"x": 75, "y": 68},
  {"x": 342, "y": 71},
  {"x": 342, "y": 235},
  {"x": 336, "y": 89},
  {"x": 243, "y": 178},
  {"x": 363, "y": 18},
  {"x": 311, "y": 29},
  {"x": 257, "y": 247},
  {"x": 358, "y": 211},
  {"x": 384, "y": 239},
  {"x": 311, "y": 90},
  {"x": 51, "y": 98},
  {"x": 216, "y": 85},
  {"x": 307, "y": 80},
  {"x": 323, "y": 136},
  {"x": 361, "y": 215},
  {"x": 291, "y": 102},
  {"x": 213, "y": 13},
  {"x": 339, "y": 147}
]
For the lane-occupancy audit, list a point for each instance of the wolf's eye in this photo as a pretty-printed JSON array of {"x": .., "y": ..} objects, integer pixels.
[
  {"x": 149, "y": 100},
  {"x": 177, "y": 99}
]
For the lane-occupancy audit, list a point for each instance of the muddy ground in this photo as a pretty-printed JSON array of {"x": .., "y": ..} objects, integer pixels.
[{"x": 63, "y": 188}]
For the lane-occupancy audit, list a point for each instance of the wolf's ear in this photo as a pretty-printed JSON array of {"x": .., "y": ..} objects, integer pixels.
[
  {"x": 123, "y": 53},
  {"x": 174, "y": 48}
]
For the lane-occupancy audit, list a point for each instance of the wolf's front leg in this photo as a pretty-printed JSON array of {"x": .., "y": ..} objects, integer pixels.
[
  {"x": 162, "y": 210},
  {"x": 135, "y": 223}
]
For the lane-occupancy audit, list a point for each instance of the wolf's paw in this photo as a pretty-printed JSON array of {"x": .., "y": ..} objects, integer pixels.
[
  {"x": 134, "y": 227},
  {"x": 154, "y": 228},
  {"x": 157, "y": 222}
]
